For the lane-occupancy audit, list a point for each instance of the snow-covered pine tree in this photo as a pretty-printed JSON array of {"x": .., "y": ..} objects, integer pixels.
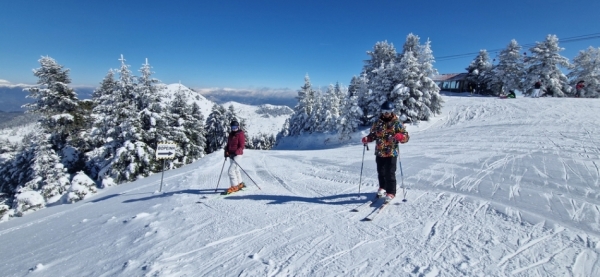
[
  {"x": 58, "y": 107},
  {"x": 261, "y": 142},
  {"x": 81, "y": 187},
  {"x": 216, "y": 129},
  {"x": 359, "y": 88},
  {"x": 178, "y": 118},
  {"x": 383, "y": 53},
  {"x": 431, "y": 91},
  {"x": 350, "y": 116},
  {"x": 479, "y": 72},
  {"x": 148, "y": 95},
  {"x": 194, "y": 129},
  {"x": 544, "y": 65},
  {"x": 16, "y": 171},
  {"x": 381, "y": 84},
  {"x": 284, "y": 132},
  {"x": 132, "y": 157},
  {"x": 103, "y": 121},
  {"x": 302, "y": 110},
  {"x": 232, "y": 115},
  {"x": 586, "y": 67},
  {"x": 426, "y": 59},
  {"x": 380, "y": 72},
  {"x": 508, "y": 74},
  {"x": 315, "y": 117},
  {"x": 411, "y": 44},
  {"x": 48, "y": 175},
  {"x": 329, "y": 109},
  {"x": 415, "y": 107}
]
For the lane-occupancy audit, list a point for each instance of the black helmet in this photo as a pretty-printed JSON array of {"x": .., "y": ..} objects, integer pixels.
[
  {"x": 387, "y": 105},
  {"x": 234, "y": 123}
]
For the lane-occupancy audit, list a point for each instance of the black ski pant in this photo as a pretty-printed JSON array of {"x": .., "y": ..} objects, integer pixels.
[{"x": 386, "y": 172}]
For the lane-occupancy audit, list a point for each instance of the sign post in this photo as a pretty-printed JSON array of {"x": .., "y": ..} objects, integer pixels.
[{"x": 165, "y": 151}]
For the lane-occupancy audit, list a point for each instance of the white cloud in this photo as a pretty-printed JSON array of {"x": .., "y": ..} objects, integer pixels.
[{"x": 6, "y": 83}]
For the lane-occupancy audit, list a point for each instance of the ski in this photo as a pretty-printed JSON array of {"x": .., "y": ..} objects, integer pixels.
[
  {"x": 220, "y": 195},
  {"x": 369, "y": 203},
  {"x": 377, "y": 211}
]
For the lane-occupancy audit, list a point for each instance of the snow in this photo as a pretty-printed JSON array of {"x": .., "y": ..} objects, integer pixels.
[
  {"x": 496, "y": 187},
  {"x": 265, "y": 118}
]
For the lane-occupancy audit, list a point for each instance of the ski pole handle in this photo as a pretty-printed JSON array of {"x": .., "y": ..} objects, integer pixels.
[{"x": 367, "y": 146}]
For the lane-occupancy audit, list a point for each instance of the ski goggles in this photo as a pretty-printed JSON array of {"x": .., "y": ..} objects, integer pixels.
[
  {"x": 234, "y": 128},
  {"x": 386, "y": 111}
]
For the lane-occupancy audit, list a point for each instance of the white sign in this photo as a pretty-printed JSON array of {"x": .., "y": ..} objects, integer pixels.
[{"x": 165, "y": 151}]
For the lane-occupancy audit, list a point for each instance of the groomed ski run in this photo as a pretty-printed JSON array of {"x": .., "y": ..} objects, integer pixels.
[{"x": 496, "y": 188}]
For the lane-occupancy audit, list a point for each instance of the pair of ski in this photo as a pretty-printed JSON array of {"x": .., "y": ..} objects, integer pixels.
[
  {"x": 221, "y": 195},
  {"x": 376, "y": 202}
]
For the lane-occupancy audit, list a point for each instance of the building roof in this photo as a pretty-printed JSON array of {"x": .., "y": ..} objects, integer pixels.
[{"x": 450, "y": 77}]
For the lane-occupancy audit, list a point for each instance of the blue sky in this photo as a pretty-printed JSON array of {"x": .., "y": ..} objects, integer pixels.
[{"x": 268, "y": 44}]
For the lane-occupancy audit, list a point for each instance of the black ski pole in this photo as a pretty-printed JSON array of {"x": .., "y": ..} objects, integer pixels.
[
  {"x": 220, "y": 174},
  {"x": 361, "y": 166},
  {"x": 402, "y": 178},
  {"x": 246, "y": 173}
]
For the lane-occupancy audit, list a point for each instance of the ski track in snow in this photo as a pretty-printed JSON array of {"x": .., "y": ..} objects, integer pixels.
[{"x": 487, "y": 197}]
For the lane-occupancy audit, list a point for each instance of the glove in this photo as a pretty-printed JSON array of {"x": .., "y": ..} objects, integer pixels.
[
  {"x": 226, "y": 154},
  {"x": 401, "y": 137},
  {"x": 365, "y": 140},
  {"x": 398, "y": 137}
]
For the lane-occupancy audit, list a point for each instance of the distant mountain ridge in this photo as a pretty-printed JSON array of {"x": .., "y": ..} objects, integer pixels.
[
  {"x": 264, "y": 118},
  {"x": 13, "y": 97}
]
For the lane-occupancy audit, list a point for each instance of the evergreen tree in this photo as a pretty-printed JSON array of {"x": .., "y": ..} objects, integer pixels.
[
  {"x": 148, "y": 93},
  {"x": 58, "y": 107},
  {"x": 425, "y": 59},
  {"x": 330, "y": 110},
  {"x": 359, "y": 88},
  {"x": 383, "y": 53},
  {"x": 508, "y": 74},
  {"x": 411, "y": 102},
  {"x": 55, "y": 102},
  {"x": 48, "y": 175},
  {"x": 415, "y": 93},
  {"x": 103, "y": 100},
  {"x": 544, "y": 65},
  {"x": 81, "y": 187},
  {"x": 124, "y": 156},
  {"x": 216, "y": 129},
  {"x": 315, "y": 117},
  {"x": 185, "y": 125},
  {"x": 381, "y": 73},
  {"x": 479, "y": 71},
  {"x": 381, "y": 85},
  {"x": 412, "y": 45},
  {"x": 350, "y": 117},
  {"x": 285, "y": 130},
  {"x": 303, "y": 110},
  {"x": 195, "y": 132},
  {"x": 586, "y": 67},
  {"x": 17, "y": 171}
]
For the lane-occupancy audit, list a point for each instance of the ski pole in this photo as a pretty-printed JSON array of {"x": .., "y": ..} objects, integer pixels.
[
  {"x": 246, "y": 173},
  {"x": 361, "y": 166},
  {"x": 402, "y": 178},
  {"x": 220, "y": 174}
]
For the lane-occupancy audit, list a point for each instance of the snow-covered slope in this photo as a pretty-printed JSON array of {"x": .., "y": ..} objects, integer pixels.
[
  {"x": 496, "y": 188},
  {"x": 205, "y": 104},
  {"x": 266, "y": 118}
]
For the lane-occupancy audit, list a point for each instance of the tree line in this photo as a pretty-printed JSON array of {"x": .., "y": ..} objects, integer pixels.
[
  {"x": 79, "y": 145},
  {"x": 515, "y": 70}
]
